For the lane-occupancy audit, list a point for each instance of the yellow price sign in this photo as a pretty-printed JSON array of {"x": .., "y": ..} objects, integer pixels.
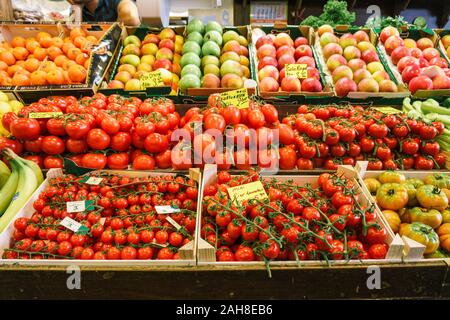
[
  {"x": 388, "y": 110},
  {"x": 296, "y": 70},
  {"x": 238, "y": 97},
  {"x": 44, "y": 115},
  {"x": 151, "y": 79},
  {"x": 248, "y": 191}
]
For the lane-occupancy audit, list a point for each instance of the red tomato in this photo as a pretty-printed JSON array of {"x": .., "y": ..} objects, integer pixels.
[
  {"x": 25, "y": 128},
  {"x": 94, "y": 160},
  {"x": 53, "y": 145},
  {"x": 98, "y": 139}
]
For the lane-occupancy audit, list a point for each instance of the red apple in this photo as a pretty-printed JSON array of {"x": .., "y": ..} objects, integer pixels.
[
  {"x": 167, "y": 33},
  {"x": 439, "y": 61},
  {"x": 410, "y": 72},
  {"x": 311, "y": 85},
  {"x": 281, "y": 51},
  {"x": 342, "y": 72},
  {"x": 406, "y": 61},
  {"x": 266, "y": 50},
  {"x": 328, "y": 37},
  {"x": 330, "y": 49},
  {"x": 307, "y": 60},
  {"x": 282, "y": 74},
  {"x": 423, "y": 62},
  {"x": 368, "y": 85},
  {"x": 285, "y": 59},
  {"x": 446, "y": 71},
  {"x": 268, "y": 71},
  {"x": 151, "y": 38},
  {"x": 361, "y": 35},
  {"x": 432, "y": 72},
  {"x": 345, "y": 85},
  {"x": 369, "y": 55},
  {"x": 162, "y": 63},
  {"x": 324, "y": 28},
  {"x": 300, "y": 41},
  {"x": 387, "y": 32},
  {"x": 416, "y": 53},
  {"x": 387, "y": 86},
  {"x": 302, "y": 50},
  {"x": 356, "y": 64},
  {"x": 351, "y": 52},
  {"x": 335, "y": 61},
  {"x": 399, "y": 53},
  {"x": 267, "y": 61},
  {"x": 420, "y": 83},
  {"x": 430, "y": 53},
  {"x": 424, "y": 43},
  {"x": 313, "y": 73},
  {"x": 243, "y": 51},
  {"x": 268, "y": 85},
  {"x": 167, "y": 43},
  {"x": 441, "y": 82},
  {"x": 263, "y": 40},
  {"x": 360, "y": 74},
  {"x": 393, "y": 42},
  {"x": 346, "y": 40},
  {"x": 283, "y": 39},
  {"x": 291, "y": 84}
]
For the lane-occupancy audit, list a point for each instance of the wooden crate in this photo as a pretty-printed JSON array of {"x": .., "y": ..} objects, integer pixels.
[
  {"x": 187, "y": 252},
  {"x": 412, "y": 249},
  {"x": 206, "y": 254}
]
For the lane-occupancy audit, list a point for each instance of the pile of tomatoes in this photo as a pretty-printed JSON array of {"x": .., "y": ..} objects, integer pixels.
[
  {"x": 95, "y": 132},
  {"x": 328, "y": 136},
  {"x": 294, "y": 222},
  {"x": 122, "y": 225}
]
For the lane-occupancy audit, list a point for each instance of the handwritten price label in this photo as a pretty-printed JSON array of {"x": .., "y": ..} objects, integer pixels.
[
  {"x": 388, "y": 110},
  {"x": 296, "y": 70},
  {"x": 44, "y": 115},
  {"x": 166, "y": 209},
  {"x": 80, "y": 206},
  {"x": 238, "y": 97},
  {"x": 248, "y": 191},
  {"x": 151, "y": 79},
  {"x": 74, "y": 226},
  {"x": 94, "y": 181}
]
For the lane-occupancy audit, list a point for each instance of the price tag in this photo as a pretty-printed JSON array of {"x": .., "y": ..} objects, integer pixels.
[
  {"x": 248, "y": 191},
  {"x": 74, "y": 226},
  {"x": 388, "y": 110},
  {"x": 80, "y": 206},
  {"x": 151, "y": 79},
  {"x": 166, "y": 209},
  {"x": 95, "y": 181},
  {"x": 44, "y": 115},
  {"x": 102, "y": 221},
  {"x": 238, "y": 97},
  {"x": 296, "y": 70},
  {"x": 173, "y": 222}
]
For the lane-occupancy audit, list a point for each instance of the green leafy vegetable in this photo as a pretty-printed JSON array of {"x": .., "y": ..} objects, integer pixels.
[
  {"x": 334, "y": 13},
  {"x": 380, "y": 23}
]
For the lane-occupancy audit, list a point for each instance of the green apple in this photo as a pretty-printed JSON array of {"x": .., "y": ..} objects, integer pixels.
[
  {"x": 131, "y": 49},
  {"x": 211, "y": 68},
  {"x": 3, "y": 96},
  {"x": 211, "y": 48},
  {"x": 195, "y": 25},
  {"x": 213, "y": 25},
  {"x": 242, "y": 41},
  {"x": 214, "y": 36},
  {"x": 230, "y": 55},
  {"x": 191, "y": 69},
  {"x": 190, "y": 58},
  {"x": 195, "y": 36},
  {"x": 132, "y": 39},
  {"x": 210, "y": 60},
  {"x": 231, "y": 66},
  {"x": 230, "y": 35},
  {"x": 189, "y": 81},
  {"x": 130, "y": 59},
  {"x": 192, "y": 46}
]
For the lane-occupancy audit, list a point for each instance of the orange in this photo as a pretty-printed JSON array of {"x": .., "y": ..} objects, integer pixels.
[
  {"x": 31, "y": 45},
  {"x": 86, "y": 63},
  {"x": 41, "y": 35},
  {"x": 18, "y": 42},
  {"x": 20, "y": 63},
  {"x": 8, "y": 57},
  {"x": 57, "y": 42},
  {"x": 67, "y": 40},
  {"x": 46, "y": 41},
  {"x": 20, "y": 53},
  {"x": 81, "y": 58},
  {"x": 75, "y": 32},
  {"x": 32, "y": 64},
  {"x": 56, "y": 77},
  {"x": 59, "y": 60},
  {"x": 13, "y": 69},
  {"x": 47, "y": 66},
  {"x": 79, "y": 41},
  {"x": 92, "y": 39},
  {"x": 66, "y": 46},
  {"x": 37, "y": 78},
  {"x": 3, "y": 66},
  {"x": 6, "y": 45},
  {"x": 53, "y": 52},
  {"x": 72, "y": 53},
  {"x": 68, "y": 64},
  {"x": 40, "y": 53},
  {"x": 77, "y": 74},
  {"x": 6, "y": 81},
  {"x": 20, "y": 79},
  {"x": 66, "y": 77}
]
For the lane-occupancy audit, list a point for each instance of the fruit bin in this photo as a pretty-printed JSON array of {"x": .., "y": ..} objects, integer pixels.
[
  {"x": 293, "y": 32},
  {"x": 187, "y": 252},
  {"x": 413, "y": 250},
  {"x": 339, "y": 31},
  {"x": 415, "y": 35},
  {"x": 139, "y": 32},
  {"x": 206, "y": 253},
  {"x": 101, "y": 56},
  {"x": 445, "y": 52}
]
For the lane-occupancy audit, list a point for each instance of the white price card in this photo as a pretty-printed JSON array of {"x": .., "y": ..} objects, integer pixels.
[
  {"x": 173, "y": 222},
  {"x": 73, "y": 225},
  {"x": 76, "y": 206},
  {"x": 166, "y": 209}
]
